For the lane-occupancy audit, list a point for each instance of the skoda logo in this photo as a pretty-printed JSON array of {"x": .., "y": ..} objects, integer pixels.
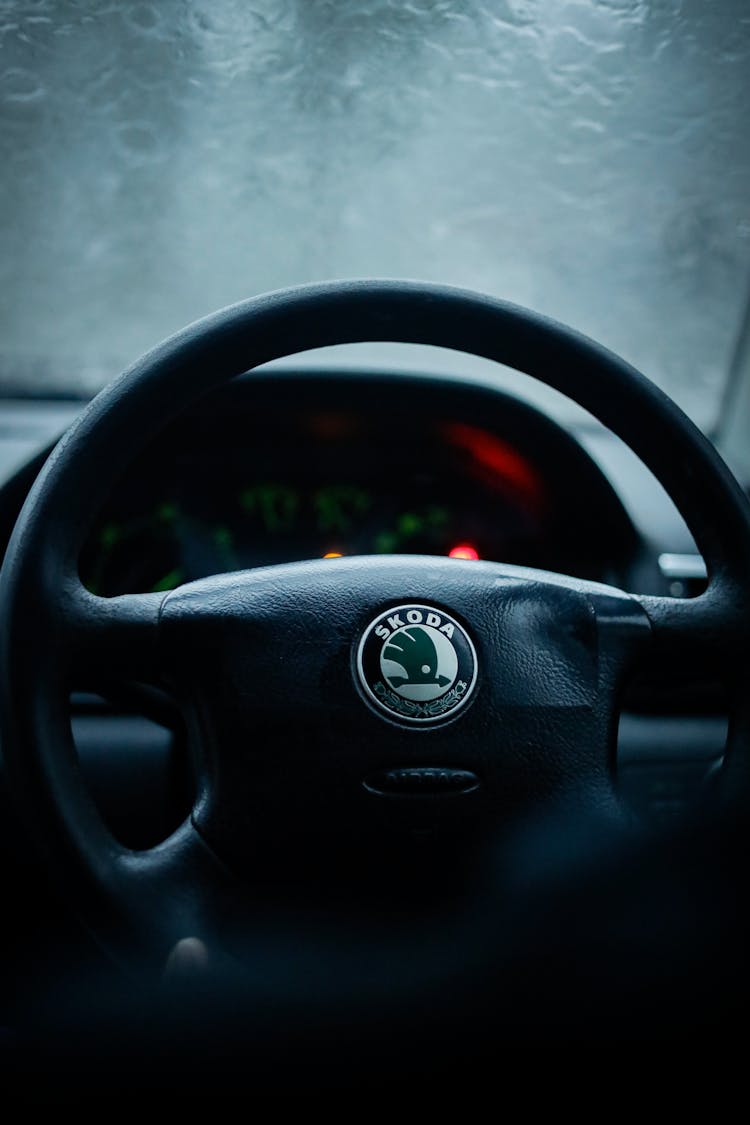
[{"x": 417, "y": 664}]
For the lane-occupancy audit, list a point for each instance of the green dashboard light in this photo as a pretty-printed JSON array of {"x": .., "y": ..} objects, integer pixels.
[
  {"x": 167, "y": 513},
  {"x": 170, "y": 580},
  {"x": 337, "y": 504},
  {"x": 223, "y": 537},
  {"x": 110, "y": 535},
  {"x": 385, "y": 543},
  {"x": 276, "y": 504},
  {"x": 409, "y": 524}
]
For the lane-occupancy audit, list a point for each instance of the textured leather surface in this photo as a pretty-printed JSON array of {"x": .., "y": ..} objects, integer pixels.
[{"x": 265, "y": 662}]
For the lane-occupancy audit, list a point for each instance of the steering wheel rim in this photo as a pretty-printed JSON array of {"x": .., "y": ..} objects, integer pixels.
[{"x": 52, "y": 623}]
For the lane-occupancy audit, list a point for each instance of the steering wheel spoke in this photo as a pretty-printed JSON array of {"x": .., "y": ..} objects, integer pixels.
[
  {"x": 180, "y": 884},
  {"x": 699, "y": 634},
  {"x": 111, "y": 636}
]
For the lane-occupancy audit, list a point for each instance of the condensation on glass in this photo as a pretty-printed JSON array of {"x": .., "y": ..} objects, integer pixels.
[{"x": 587, "y": 158}]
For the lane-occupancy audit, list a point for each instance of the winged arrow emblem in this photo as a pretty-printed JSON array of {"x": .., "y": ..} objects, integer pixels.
[{"x": 414, "y": 649}]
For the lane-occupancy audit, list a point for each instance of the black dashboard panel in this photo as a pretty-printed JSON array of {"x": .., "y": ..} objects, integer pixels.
[{"x": 274, "y": 468}]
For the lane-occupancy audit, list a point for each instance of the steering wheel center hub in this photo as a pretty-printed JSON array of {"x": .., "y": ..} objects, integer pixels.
[{"x": 416, "y": 664}]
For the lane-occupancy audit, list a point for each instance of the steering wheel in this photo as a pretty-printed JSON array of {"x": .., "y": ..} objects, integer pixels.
[{"x": 345, "y": 711}]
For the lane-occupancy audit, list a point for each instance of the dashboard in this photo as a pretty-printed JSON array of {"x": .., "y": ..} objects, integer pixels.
[{"x": 314, "y": 465}]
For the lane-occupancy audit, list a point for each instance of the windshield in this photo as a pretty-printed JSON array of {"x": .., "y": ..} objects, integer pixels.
[{"x": 587, "y": 159}]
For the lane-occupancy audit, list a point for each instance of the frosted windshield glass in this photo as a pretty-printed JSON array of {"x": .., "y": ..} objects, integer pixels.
[{"x": 587, "y": 159}]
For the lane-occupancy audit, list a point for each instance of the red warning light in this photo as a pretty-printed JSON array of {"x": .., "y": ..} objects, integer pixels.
[{"x": 464, "y": 551}]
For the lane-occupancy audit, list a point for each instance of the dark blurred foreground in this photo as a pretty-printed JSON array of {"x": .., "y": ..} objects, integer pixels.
[{"x": 596, "y": 938}]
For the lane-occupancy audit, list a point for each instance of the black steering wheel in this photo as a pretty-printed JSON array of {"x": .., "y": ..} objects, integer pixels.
[{"x": 345, "y": 711}]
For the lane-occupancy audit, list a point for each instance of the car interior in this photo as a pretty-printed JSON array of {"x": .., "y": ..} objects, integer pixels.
[{"x": 373, "y": 651}]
